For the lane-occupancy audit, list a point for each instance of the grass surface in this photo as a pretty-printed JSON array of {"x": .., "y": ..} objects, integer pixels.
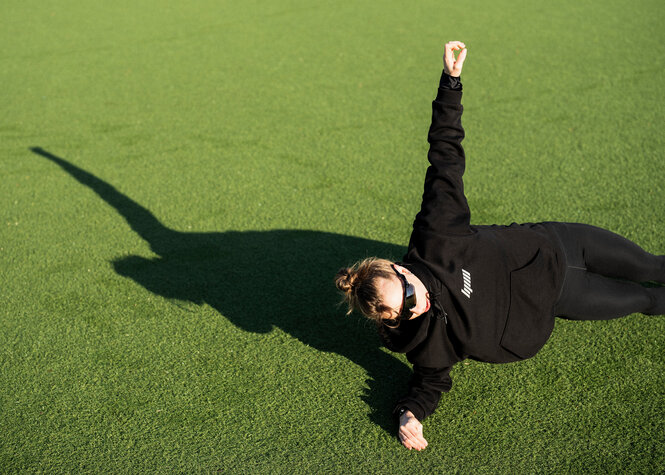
[{"x": 166, "y": 256}]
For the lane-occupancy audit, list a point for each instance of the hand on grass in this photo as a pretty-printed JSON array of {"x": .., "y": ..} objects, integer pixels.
[
  {"x": 452, "y": 66},
  {"x": 411, "y": 432}
]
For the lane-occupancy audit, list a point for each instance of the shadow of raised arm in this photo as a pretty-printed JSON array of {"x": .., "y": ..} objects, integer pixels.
[
  {"x": 260, "y": 280},
  {"x": 142, "y": 221}
]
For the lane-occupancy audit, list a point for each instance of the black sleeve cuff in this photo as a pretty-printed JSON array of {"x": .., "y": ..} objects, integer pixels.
[
  {"x": 448, "y": 96},
  {"x": 450, "y": 83},
  {"x": 450, "y": 90},
  {"x": 416, "y": 410}
]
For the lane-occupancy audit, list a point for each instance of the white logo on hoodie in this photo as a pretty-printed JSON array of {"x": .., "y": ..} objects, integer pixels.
[{"x": 466, "y": 275}]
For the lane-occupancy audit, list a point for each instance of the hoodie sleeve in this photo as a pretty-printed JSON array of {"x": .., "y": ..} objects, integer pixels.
[
  {"x": 444, "y": 207},
  {"x": 425, "y": 388}
]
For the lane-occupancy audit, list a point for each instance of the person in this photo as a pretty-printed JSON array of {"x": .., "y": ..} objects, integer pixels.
[{"x": 488, "y": 293}]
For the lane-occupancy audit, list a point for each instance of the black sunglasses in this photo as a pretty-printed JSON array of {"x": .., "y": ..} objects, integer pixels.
[{"x": 409, "y": 296}]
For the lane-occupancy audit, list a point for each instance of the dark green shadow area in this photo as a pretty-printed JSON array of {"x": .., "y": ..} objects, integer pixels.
[{"x": 260, "y": 280}]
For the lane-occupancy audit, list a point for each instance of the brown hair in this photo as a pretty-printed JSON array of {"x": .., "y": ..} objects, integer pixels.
[{"x": 359, "y": 285}]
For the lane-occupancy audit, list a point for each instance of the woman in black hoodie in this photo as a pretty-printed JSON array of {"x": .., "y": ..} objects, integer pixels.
[{"x": 489, "y": 293}]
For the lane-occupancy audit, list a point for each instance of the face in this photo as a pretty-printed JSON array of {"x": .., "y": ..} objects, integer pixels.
[{"x": 392, "y": 294}]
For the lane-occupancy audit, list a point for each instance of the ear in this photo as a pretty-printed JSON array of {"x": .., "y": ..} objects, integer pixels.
[{"x": 402, "y": 270}]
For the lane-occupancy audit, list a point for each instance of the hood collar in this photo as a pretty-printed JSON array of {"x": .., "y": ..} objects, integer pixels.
[{"x": 410, "y": 333}]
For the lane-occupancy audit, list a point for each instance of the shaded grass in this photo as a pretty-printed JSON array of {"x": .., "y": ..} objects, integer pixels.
[{"x": 272, "y": 143}]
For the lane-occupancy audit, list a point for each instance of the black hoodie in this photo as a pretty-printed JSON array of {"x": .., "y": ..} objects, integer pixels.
[{"x": 492, "y": 288}]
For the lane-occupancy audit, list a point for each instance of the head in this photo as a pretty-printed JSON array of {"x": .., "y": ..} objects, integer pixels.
[{"x": 377, "y": 288}]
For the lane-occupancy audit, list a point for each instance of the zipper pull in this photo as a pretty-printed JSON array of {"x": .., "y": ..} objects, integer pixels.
[{"x": 441, "y": 315}]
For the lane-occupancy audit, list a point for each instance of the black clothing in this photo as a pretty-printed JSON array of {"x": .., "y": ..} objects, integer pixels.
[
  {"x": 493, "y": 289},
  {"x": 595, "y": 261},
  {"x": 450, "y": 82}
]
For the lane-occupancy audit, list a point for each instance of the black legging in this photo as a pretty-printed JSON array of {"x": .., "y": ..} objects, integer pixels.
[{"x": 604, "y": 272}]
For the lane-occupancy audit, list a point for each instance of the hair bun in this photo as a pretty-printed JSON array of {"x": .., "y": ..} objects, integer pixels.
[{"x": 345, "y": 280}]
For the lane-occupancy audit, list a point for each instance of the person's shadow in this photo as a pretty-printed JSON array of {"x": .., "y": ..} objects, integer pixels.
[{"x": 260, "y": 280}]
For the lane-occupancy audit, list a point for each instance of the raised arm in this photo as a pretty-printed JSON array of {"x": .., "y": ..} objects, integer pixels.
[{"x": 444, "y": 207}]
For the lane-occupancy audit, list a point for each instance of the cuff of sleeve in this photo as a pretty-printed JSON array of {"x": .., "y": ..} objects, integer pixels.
[
  {"x": 450, "y": 89},
  {"x": 415, "y": 409},
  {"x": 447, "y": 96},
  {"x": 450, "y": 82}
]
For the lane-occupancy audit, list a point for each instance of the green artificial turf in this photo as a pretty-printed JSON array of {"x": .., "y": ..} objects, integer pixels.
[{"x": 181, "y": 180}]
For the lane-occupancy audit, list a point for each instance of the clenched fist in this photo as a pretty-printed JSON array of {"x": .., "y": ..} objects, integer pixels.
[
  {"x": 411, "y": 432},
  {"x": 452, "y": 66}
]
